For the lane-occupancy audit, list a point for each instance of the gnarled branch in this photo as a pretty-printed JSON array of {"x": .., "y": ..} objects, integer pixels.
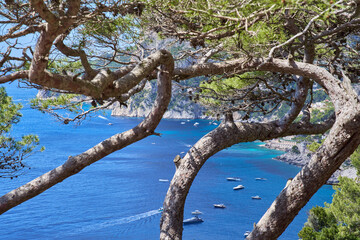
[{"x": 75, "y": 164}]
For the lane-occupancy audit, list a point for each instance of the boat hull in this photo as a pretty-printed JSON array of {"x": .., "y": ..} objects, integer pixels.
[{"x": 193, "y": 220}]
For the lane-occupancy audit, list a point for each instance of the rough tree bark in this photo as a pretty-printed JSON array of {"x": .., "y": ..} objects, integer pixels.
[
  {"x": 225, "y": 135},
  {"x": 75, "y": 164},
  {"x": 53, "y": 27},
  {"x": 342, "y": 141}
]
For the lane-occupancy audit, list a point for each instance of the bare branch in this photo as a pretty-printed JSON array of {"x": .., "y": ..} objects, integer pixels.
[
  {"x": 29, "y": 30},
  {"x": 271, "y": 53},
  {"x": 14, "y": 76},
  {"x": 76, "y": 53},
  {"x": 41, "y": 8},
  {"x": 210, "y": 53}
]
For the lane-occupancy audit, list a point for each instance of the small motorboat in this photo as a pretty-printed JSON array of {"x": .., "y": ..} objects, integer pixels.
[
  {"x": 196, "y": 124},
  {"x": 234, "y": 179},
  {"x": 163, "y": 180},
  {"x": 256, "y": 197},
  {"x": 182, "y": 123},
  {"x": 196, "y": 212},
  {"x": 192, "y": 220},
  {"x": 260, "y": 179},
  {"x": 219, "y": 205},
  {"x": 238, "y": 187},
  {"x": 247, "y": 233}
]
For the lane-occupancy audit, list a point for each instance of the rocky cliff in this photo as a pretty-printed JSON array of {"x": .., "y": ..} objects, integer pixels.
[
  {"x": 140, "y": 105},
  {"x": 303, "y": 157}
]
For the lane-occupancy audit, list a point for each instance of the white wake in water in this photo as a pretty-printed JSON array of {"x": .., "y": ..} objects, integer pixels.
[
  {"x": 102, "y": 117},
  {"x": 114, "y": 222}
]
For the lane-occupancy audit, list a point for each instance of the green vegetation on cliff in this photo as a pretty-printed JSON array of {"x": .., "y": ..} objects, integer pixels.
[{"x": 341, "y": 218}]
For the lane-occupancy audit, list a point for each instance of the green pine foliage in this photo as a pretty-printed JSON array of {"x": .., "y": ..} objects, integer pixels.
[
  {"x": 314, "y": 146},
  {"x": 62, "y": 101},
  {"x": 64, "y": 65},
  {"x": 224, "y": 86},
  {"x": 259, "y": 37},
  {"x": 320, "y": 115},
  {"x": 13, "y": 151},
  {"x": 341, "y": 218},
  {"x": 9, "y": 112},
  {"x": 355, "y": 160}
]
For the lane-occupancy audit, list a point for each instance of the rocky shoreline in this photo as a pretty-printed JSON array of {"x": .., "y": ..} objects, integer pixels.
[
  {"x": 302, "y": 157},
  {"x": 181, "y": 107}
]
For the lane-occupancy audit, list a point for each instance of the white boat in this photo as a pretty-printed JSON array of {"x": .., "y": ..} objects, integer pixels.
[
  {"x": 256, "y": 197},
  {"x": 234, "y": 179},
  {"x": 182, "y": 123},
  {"x": 163, "y": 180},
  {"x": 196, "y": 212},
  {"x": 219, "y": 205},
  {"x": 239, "y": 187},
  {"x": 196, "y": 124},
  {"x": 260, "y": 179},
  {"x": 247, "y": 233},
  {"x": 192, "y": 220}
]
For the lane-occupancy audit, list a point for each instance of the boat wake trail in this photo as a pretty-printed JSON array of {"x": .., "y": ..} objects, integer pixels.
[
  {"x": 115, "y": 222},
  {"x": 185, "y": 144},
  {"x": 102, "y": 117}
]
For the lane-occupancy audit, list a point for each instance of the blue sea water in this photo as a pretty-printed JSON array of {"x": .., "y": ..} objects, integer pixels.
[{"x": 118, "y": 196}]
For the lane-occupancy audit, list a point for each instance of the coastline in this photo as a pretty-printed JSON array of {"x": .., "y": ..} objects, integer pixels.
[
  {"x": 194, "y": 111},
  {"x": 301, "y": 158}
]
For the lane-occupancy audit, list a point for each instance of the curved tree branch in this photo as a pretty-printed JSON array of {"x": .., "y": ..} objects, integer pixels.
[
  {"x": 91, "y": 73},
  {"x": 271, "y": 53},
  {"x": 353, "y": 24},
  {"x": 227, "y": 134},
  {"x": 75, "y": 164},
  {"x": 53, "y": 28},
  {"x": 105, "y": 84},
  {"x": 41, "y": 8},
  {"x": 14, "y": 76},
  {"x": 29, "y": 30},
  {"x": 302, "y": 87},
  {"x": 342, "y": 141}
]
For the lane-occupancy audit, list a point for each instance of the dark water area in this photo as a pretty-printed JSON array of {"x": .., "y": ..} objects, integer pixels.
[{"x": 119, "y": 196}]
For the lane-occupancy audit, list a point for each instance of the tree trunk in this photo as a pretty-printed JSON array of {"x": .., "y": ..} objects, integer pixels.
[
  {"x": 227, "y": 134},
  {"x": 342, "y": 141},
  {"x": 171, "y": 224}
]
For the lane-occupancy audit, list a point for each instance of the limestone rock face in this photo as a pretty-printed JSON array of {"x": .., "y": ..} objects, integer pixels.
[
  {"x": 300, "y": 160},
  {"x": 44, "y": 94},
  {"x": 139, "y": 105}
]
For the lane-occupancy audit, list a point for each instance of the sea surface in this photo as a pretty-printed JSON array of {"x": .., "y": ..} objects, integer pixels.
[{"x": 119, "y": 196}]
